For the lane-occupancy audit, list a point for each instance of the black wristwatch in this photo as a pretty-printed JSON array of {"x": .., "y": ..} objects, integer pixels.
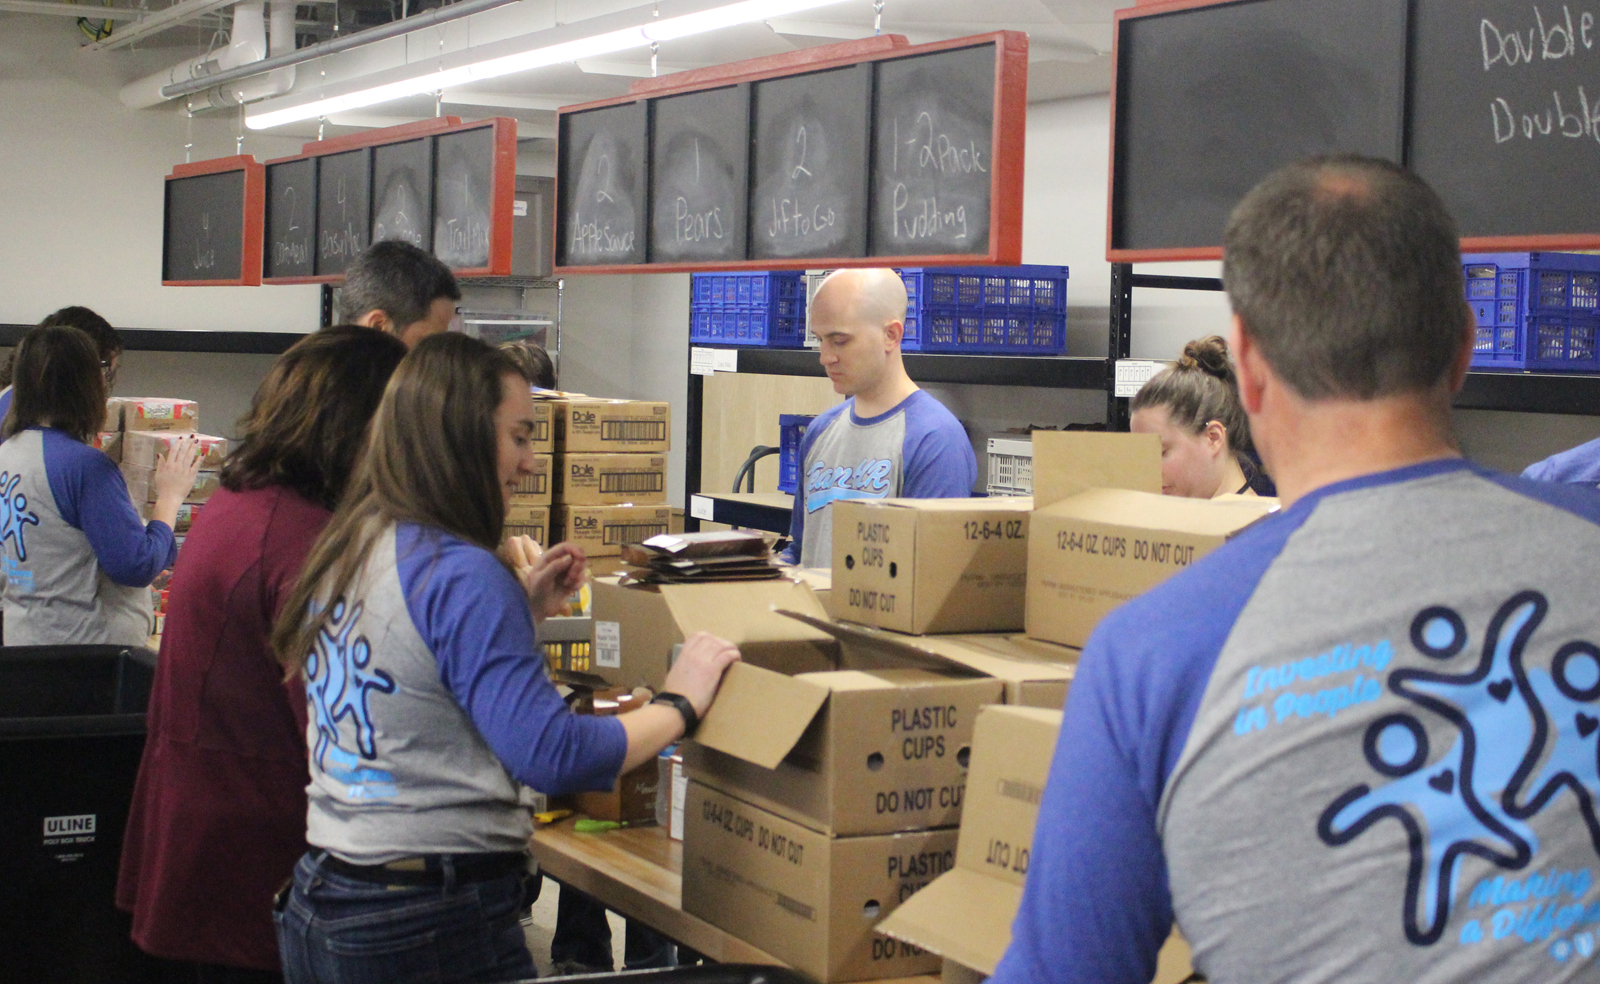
[{"x": 691, "y": 720}]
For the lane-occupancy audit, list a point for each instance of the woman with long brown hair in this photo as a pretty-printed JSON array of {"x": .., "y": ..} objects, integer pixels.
[
  {"x": 429, "y": 695},
  {"x": 78, "y": 559},
  {"x": 219, "y": 811}
]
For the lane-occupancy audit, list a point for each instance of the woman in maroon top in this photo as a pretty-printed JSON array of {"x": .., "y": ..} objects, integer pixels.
[{"x": 219, "y": 811}]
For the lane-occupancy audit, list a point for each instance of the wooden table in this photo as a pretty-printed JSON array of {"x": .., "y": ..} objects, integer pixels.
[{"x": 638, "y": 873}]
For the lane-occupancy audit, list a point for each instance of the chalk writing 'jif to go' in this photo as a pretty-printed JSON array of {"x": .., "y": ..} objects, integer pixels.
[{"x": 1559, "y": 38}]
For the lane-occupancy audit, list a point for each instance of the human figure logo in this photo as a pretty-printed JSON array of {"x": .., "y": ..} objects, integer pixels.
[
  {"x": 1523, "y": 734},
  {"x": 14, "y": 513},
  {"x": 340, "y": 685}
]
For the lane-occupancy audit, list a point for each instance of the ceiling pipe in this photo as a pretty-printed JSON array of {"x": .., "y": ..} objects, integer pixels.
[
  {"x": 273, "y": 83},
  {"x": 247, "y": 43},
  {"x": 383, "y": 32}
]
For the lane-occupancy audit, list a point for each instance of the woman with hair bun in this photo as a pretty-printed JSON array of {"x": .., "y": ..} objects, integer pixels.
[{"x": 1193, "y": 406}]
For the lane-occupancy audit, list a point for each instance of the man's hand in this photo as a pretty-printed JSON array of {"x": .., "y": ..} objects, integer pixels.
[{"x": 699, "y": 668}]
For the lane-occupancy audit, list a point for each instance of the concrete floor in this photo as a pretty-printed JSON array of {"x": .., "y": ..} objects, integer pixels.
[{"x": 543, "y": 927}]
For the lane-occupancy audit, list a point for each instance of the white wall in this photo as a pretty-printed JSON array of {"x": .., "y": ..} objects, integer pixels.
[{"x": 81, "y": 179}]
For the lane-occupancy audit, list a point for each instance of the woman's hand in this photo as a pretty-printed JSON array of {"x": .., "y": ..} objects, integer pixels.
[
  {"x": 175, "y": 476},
  {"x": 698, "y": 670},
  {"x": 549, "y": 577}
]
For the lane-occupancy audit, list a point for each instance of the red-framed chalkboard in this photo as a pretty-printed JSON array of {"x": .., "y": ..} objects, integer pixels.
[
  {"x": 445, "y": 185},
  {"x": 1209, "y": 96},
  {"x": 211, "y": 223},
  {"x": 819, "y": 160}
]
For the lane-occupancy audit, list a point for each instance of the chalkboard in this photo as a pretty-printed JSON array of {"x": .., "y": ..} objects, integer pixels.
[
  {"x": 1506, "y": 113},
  {"x": 344, "y": 208},
  {"x": 932, "y": 169},
  {"x": 699, "y": 175},
  {"x": 402, "y": 192},
  {"x": 810, "y": 178},
  {"x": 291, "y": 236},
  {"x": 1211, "y": 99},
  {"x": 203, "y": 231},
  {"x": 603, "y": 186},
  {"x": 461, "y": 196}
]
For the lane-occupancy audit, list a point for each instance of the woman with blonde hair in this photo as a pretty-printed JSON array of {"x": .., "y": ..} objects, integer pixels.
[{"x": 1193, "y": 406}]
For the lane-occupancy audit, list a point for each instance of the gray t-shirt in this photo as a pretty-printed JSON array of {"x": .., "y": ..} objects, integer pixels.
[
  {"x": 917, "y": 450},
  {"x": 1356, "y": 744}
]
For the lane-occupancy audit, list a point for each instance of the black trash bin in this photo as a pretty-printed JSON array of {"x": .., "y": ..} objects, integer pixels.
[{"x": 72, "y": 727}]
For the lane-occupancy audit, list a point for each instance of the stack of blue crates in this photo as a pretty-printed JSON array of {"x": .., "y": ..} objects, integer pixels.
[
  {"x": 1536, "y": 311},
  {"x": 791, "y": 429},
  {"x": 1018, "y": 310},
  {"x": 749, "y": 309}
]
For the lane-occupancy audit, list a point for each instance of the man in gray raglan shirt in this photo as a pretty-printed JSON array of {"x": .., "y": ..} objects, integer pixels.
[
  {"x": 889, "y": 438},
  {"x": 1358, "y": 743}
]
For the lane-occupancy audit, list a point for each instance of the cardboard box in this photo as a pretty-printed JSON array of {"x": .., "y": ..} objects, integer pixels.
[
  {"x": 808, "y": 899},
  {"x": 1091, "y": 552},
  {"x": 846, "y": 752},
  {"x": 966, "y": 914},
  {"x": 110, "y": 441},
  {"x": 537, "y": 489},
  {"x": 544, "y": 427},
  {"x": 632, "y": 798},
  {"x": 526, "y": 519},
  {"x": 1031, "y": 673},
  {"x": 611, "y": 479},
  {"x": 141, "y": 485},
  {"x": 638, "y": 627},
  {"x": 932, "y": 565},
  {"x": 154, "y": 413},
  {"x": 595, "y": 425},
  {"x": 1068, "y": 462},
  {"x": 143, "y": 448},
  {"x": 602, "y": 530}
]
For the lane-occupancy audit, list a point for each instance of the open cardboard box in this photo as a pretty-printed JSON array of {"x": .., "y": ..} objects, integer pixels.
[
  {"x": 931, "y": 565},
  {"x": 637, "y": 628},
  {"x": 879, "y": 744},
  {"x": 1095, "y": 550}
]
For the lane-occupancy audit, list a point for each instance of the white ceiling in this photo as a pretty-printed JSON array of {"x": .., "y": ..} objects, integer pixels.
[{"x": 1069, "y": 54}]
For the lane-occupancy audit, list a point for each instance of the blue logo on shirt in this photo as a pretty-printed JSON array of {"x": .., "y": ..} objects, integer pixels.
[
  {"x": 1541, "y": 735},
  {"x": 14, "y": 513},
  {"x": 868, "y": 480},
  {"x": 339, "y": 683}
]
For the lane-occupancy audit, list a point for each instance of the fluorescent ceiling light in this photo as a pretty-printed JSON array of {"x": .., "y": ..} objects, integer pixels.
[{"x": 611, "y": 42}]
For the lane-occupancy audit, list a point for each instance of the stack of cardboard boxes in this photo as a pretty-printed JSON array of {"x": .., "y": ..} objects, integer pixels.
[
  {"x": 529, "y": 512},
  {"x": 609, "y": 476},
  {"x": 140, "y": 430}
]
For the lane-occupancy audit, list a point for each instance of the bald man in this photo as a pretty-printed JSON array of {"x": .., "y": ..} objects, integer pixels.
[{"x": 889, "y": 438}]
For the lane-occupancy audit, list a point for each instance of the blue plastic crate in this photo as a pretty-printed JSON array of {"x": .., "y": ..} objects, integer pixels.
[
  {"x": 749, "y": 309},
  {"x": 1019, "y": 310},
  {"x": 1534, "y": 310},
  {"x": 791, "y": 429}
]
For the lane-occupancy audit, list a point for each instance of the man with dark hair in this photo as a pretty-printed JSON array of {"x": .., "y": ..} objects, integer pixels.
[
  {"x": 105, "y": 337},
  {"x": 1358, "y": 742},
  {"x": 398, "y": 288}
]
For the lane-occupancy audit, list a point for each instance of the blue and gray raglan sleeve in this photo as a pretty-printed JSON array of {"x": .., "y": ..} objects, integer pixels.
[
  {"x": 937, "y": 461},
  {"x": 92, "y": 496},
  {"x": 474, "y": 616},
  {"x": 1096, "y": 908}
]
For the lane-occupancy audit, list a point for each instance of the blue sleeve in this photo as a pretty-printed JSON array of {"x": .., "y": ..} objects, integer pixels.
[
  {"x": 473, "y": 615},
  {"x": 92, "y": 496},
  {"x": 1096, "y": 906},
  {"x": 1579, "y": 499},
  {"x": 1578, "y": 465},
  {"x": 938, "y": 458}
]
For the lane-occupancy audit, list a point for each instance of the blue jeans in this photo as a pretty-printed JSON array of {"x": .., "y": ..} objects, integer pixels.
[{"x": 333, "y": 929}]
